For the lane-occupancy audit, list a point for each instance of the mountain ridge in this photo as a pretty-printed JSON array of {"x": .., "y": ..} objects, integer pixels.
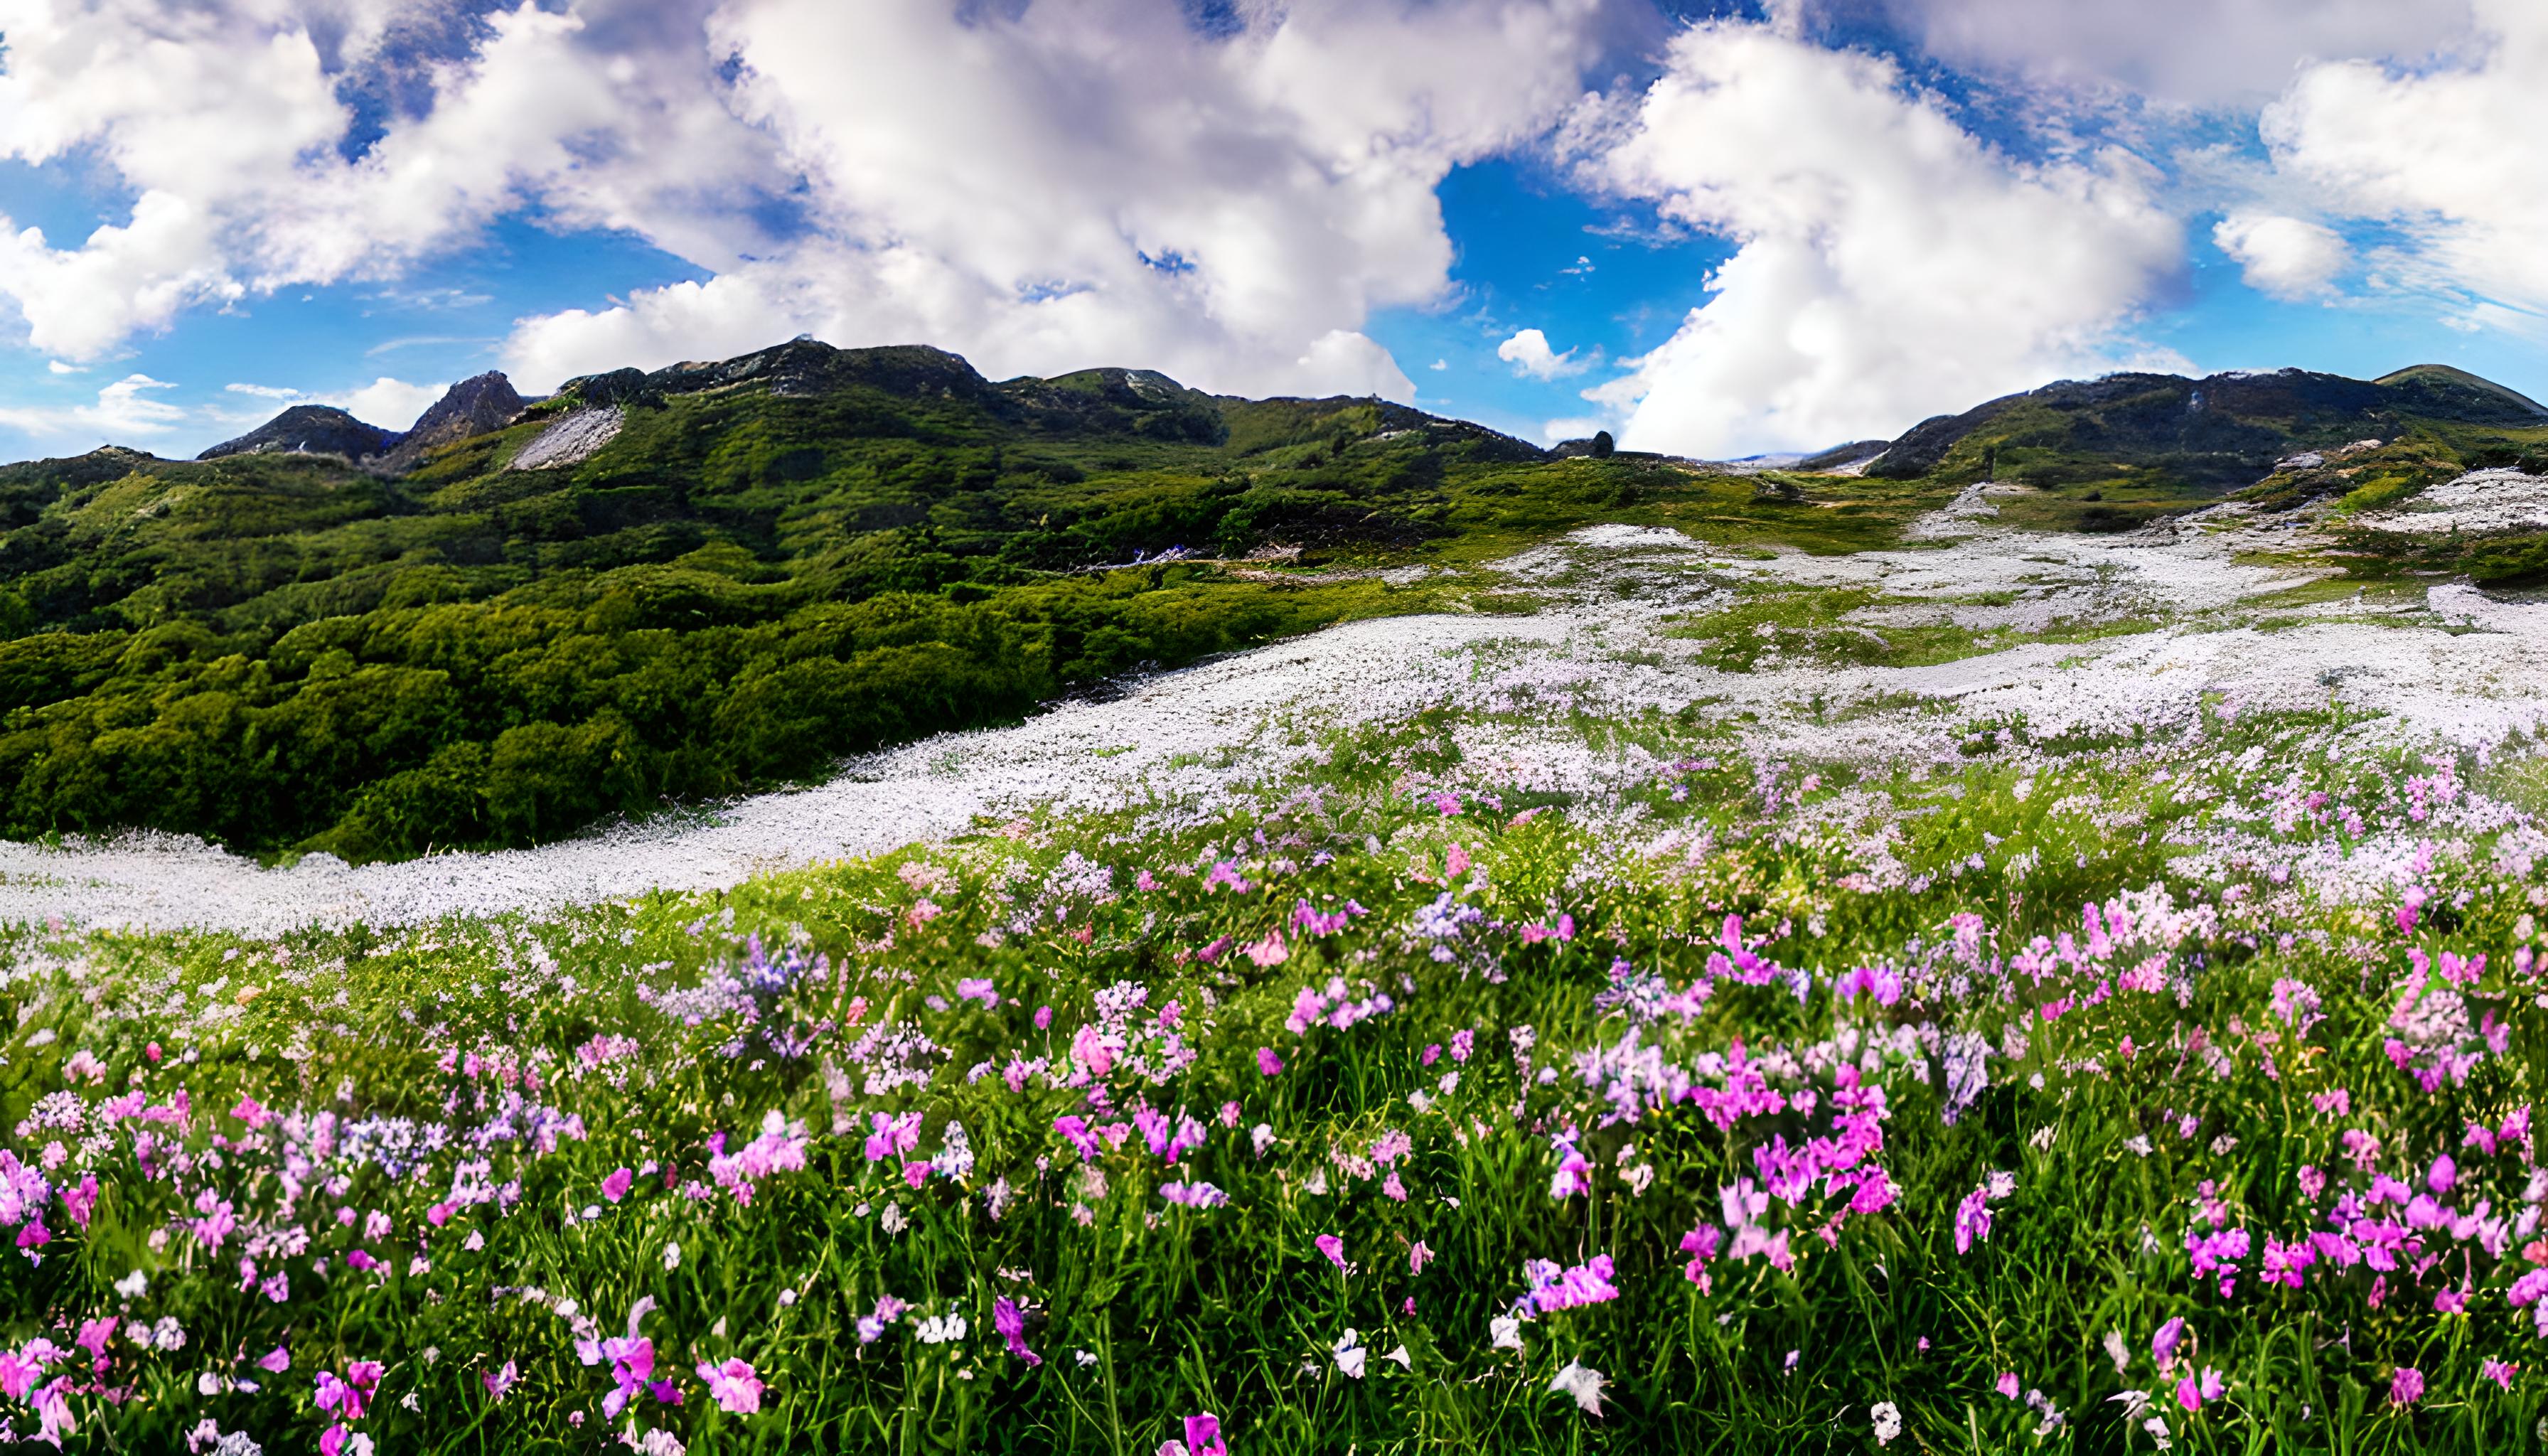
[{"x": 2211, "y": 427}]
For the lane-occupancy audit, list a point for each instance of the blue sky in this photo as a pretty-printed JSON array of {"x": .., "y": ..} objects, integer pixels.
[{"x": 1712, "y": 233}]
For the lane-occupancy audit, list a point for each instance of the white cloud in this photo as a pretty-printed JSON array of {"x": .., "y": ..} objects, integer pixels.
[
  {"x": 390, "y": 404},
  {"x": 123, "y": 409},
  {"x": 1040, "y": 186},
  {"x": 1530, "y": 354},
  {"x": 1576, "y": 428},
  {"x": 1888, "y": 265},
  {"x": 2287, "y": 257},
  {"x": 224, "y": 121},
  {"x": 2197, "y": 52},
  {"x": 1092, "y": 181},
  {"x": 2446, "y": 154}
]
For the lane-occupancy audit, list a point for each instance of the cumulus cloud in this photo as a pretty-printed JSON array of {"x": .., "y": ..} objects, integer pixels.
[
  {"x": 1530, "y": 354},
  {"x": 1040, "y": 186},
  {"x": 1888, "y": 265},
  {"x": 123, "y": 409},
  {"x": 2443, "y": 153},
  {"x": 1096, "y": 181},
  {"x": 2195, "y": 53},
  {"x": 2287, "y": 257},
  {"x": 392, "y": 404},
  {"x": 251, "y": 170}
]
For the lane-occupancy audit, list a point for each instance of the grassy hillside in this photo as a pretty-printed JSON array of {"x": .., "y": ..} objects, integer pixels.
[
  {"x": 799, "y": 554},
  {"x": 777, "y": 561}
]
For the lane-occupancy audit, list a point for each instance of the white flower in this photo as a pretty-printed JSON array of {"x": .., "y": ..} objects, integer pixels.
[
  {"x": 892, "y": 1219},
  {"x": 1405, "y": 1360},
  {"x": 209, "y": 1383},
  {"x": 1350, "y": 1353},
  {"x": 938, "y": 1329},
  {"x": 2136, "y": 1402},
  {"x": 671, "y": 1256},
  {"x": 1505, "y": 1330},
  {"x": 1262, "y": 1135},
  {"x": 131, "y": 1285},
  {"x": 2117, "y": 1351},
  {"x": 1580, "y": 1380},
  {"x": 1888, "y": 1421},
  {"x": 2158, "y": 1429}
]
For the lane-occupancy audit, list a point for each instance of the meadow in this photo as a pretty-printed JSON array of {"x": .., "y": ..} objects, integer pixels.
[{"x": 2048, "y": 1100}]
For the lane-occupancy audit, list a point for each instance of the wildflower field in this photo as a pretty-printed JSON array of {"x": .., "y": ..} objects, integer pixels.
[{"x": 1688, "y": 1029}]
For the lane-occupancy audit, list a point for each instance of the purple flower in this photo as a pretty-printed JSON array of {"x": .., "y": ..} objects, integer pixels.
[
  {"x": 1972, "y": 1220},
  {"x": 616, "y": 1186},
  {"x": 2191, "y": 1394},
  {"x": 500, "y": 1381},
  {"x": 2164, "y": 1344},
  {"x": 1011, "y": 1322},
  {"x": 631, "y": 1360},
  {"x": 2406, "y": 1387},
  {"x": 733, "y": 1385},
  {"x": 1202, "y": 1437}
]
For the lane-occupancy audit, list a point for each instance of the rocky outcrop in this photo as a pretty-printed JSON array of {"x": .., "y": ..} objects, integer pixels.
[
  {"x": 472, "y": 406},
  {"x": 310, "y": 429},
  {"x": 570, "y": 441}
]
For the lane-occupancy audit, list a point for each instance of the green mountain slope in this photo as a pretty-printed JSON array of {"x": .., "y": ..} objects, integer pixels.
[
  {"x": 2112, "y": 453},
  {"x": 774, "y": 561},
  {"x": 660, "y": 588}
]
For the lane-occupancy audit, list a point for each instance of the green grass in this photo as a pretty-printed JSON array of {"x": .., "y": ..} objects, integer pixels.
[{"x": 1143, "y": 1312}]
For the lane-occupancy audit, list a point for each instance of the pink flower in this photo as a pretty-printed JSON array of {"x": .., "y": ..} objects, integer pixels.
[
  {"x": 615, "y": 1187},
  {"x": 2191, "y": 1394},
  {"x": 1334, "y": 1247},
  {"x": 81, "y": 1201},
  {"x": 273, "y": 1362},
  {"x": 2406, "y": 1387},
  {"x": 2500, "y": 1372},
  {"x": 1417, "y": 1257},
  {"x": 2008, "y": 1383},
  {"x": 1042, "y": 1018},
  {"x": 1011, "y": 1322},
  {"x": 348, "y": 1397},
  {"x": 1267, "y": 1063},
  {"x": 631, "y": 1360},
  {"x": 733, "y": 1385},
  {"x": 1202, "y": 1437}
]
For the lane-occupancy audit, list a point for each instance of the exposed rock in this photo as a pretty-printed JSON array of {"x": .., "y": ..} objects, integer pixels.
[
  {"x": 309, "y": 429},
  {"x": 572, "y": 440},
  {"x": 471, "y": 408}
]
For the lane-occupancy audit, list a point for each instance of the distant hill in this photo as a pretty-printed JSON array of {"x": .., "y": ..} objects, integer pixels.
[
  {"x": 310, "y": 429},
  {"x": 2217, "y": 432}
]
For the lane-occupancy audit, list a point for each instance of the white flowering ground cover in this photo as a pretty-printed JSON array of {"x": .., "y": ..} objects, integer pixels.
[{"x": 2006, "y": 993}]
